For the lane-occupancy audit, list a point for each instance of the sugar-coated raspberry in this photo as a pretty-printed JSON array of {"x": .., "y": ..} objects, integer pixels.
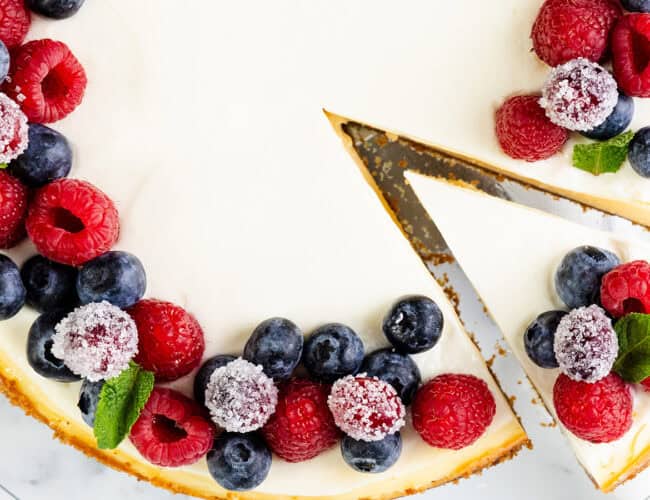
[
  {"x": 240, "y": 397},
  {"x": 631, "y": 54},
  {"x": 600, "y": 412},
  {"x": 366, "y": 408},
  {"x": 14, "y": 22},
  {"x": 96, "y": 341},
  {"x": 171, "y": 339},
  {"x": 171, "y": 430},
  {"x": 46, "y": 80},
  {"x": 452, "y": 411},
  {"x": 13, "y": 130},
  {"x": 302, "y": 426},
  {"x": 71, "y": 221},
  {"x": 566, "y": 29},
  {"x": 525, "y": 132},
  {"x": 13, "y": 210},
  {"x": 626, "y": 289}
]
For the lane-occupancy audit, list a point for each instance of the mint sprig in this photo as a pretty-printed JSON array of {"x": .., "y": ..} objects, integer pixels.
[
  {"x": 633, "y": 361},
  {"x": 120, "y": 402},
  {"x": 602, "y": 157},
  {"x": 3, "y": 165}
]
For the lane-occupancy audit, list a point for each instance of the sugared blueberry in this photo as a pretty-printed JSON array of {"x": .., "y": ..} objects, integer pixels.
[
  {"x": 617, "y": 122},
  {"x": 116, "y": 277},
  {"x": 577, "y": 279},
  {"x": 5, "y": 60},
  {"x": 372, "y": 456},
  {"x": 399, "y": 370},
  {"x": 89, "y": 399},
  {"x": 414, "y": 324},
  {"x": 55, "y": 9},
  {"x": 12, "y": 290},
  {"x": 39, "y": 349},
  {"x": 639, "y": 152},
  {"x": 205, "y": 372},
  {"x": 331, "y": 352},
  {"x": 636, "y": 5},
  {"x": 50, "y": 285},
  {"x": 539, "y": 336},
  {"x": 239, "y": 462},
  {"x": 276, "y": 344}
]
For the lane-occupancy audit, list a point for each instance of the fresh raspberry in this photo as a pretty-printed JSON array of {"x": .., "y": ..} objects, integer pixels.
[
  {"x": 171, "y": 339},
  {"x": 566, "y": 29},
  {"x": 626, "y": 289},
  {"x": 13, "y": 130},
  {"x": 646, "y": 384},
  {"x": 14, "y": 22},
  {"x": 366, "y": 408},
  {"x": 452, "y": 411},
  {"x": 13, "y": 210},
  {"x": 46, "y": 80},
  {"x": 631, "y": 54},
  {"x": 302, "y": 426},
  {"x": 171, "y": 430},
  {"x": 600, "y": 412},
  {"x": 71, "y": 221},
  {"x": 525, "y": 132}
]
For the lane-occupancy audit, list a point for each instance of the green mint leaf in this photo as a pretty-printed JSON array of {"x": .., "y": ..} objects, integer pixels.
[
  {"x": 120, "y": 403},
  {"x": 3, "y": 165},
  {"x": 633, "y": 361},
  {"x": 602, "y": 157}
]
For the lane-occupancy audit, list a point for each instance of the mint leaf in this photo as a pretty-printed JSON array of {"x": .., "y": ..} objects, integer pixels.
[
  {"x": 120, "y": 403},
  {"x": 633, "y": 361},
  {"x": 602, "y": 157},
  {"x": 3, "y": 165}
]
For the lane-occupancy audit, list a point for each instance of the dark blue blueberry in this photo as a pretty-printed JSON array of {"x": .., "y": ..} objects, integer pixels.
[
  {"x": 239, "y": 462},
  {"x": 616, "y": 123},
  {"x": 639, "y": 152},
  {"x": 55, "y": 9},
  {"x": 636, "y": 5},
  {"x": 577, "y": 279},
  {"x": 48, "y": 157},
  {"x": 399, "y": 370},
  {"x": 539, "y": 336},
  {"x": 12, "y": 290},
  {"x": 373, "y": 456},
  {"x": 331, "y": 352},
  {"x": 205, "y": 372},
  {"x": 39, "y": 349},
  {"x": 50, "y": 286},
  {"x": 276, "y": 344},
  {"x": 4, "y": 61},
  {"x": 117, "y": 277},
  {"x": 88, "y": 400},
  {"x": 414, "y": 324}
]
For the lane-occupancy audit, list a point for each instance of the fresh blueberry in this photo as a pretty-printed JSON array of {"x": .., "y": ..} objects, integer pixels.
[
  {"x": 276, "y": 344},
  {"x": 55, "y": 9},
  {"x": 50, "y": 286},
  {"x": 636, "y": 5},
  {"x": 639, "y": 152},
  {"x": 12, "y": 290},
  {"x": 372, "y": 456},
  {"x": 39, "y": 349},
  {"x": 117, "y": 277},
  {"x": 331, "y": 352},
  {"x": 577, "y": 279},
  {"x": 88, "y": 400},
  {"x": 48, "y": 157},
  {"x": 4, "y": 61},
  {"x": 539, "y": 336},
  {"x": 617, "y": 122},
  {"x": 239, "y": 462},
  {"x": 399, "y": 370},
  {"x": 205, "y": 372},
  {"x": 414, "y": 324}
]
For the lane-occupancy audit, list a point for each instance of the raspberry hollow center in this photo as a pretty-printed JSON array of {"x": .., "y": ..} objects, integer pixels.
[
  {"x": 640, "y": 51},
  {"x": 66, "y": 220},
  {"x": 166, "y": 430},
  {"x": 54, "y": 85}
]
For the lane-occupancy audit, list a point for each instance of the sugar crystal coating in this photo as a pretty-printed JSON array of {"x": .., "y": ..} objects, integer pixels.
[{"x": 13, "y": 130}]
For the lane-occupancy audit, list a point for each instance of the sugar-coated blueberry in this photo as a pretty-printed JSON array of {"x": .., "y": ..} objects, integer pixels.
[
  {"x": 539, "y": 337},
  {"x": 331, "y": 352},
  {"x": 39, "y": 349},
  {"x": 239, "y": 462},
  {"x": 88, "y": 400},
  {"x": 636, "y": 5},
  {"x": 12, "y": 290},
  {"x": 276, "y": 344},
  {"x": 5, "y": 60},
  {"x": 205, "y": 372},
  {"x": 414, "y": 324},
  {"x": 55, "y": 9},
  {"x": 639, "y": 152},
  {"x": 49, "y": 285},
  {"x": 617, "y": 122},
  {"x": 399, "y": 370},
  {"x": 372, "y": 456}
]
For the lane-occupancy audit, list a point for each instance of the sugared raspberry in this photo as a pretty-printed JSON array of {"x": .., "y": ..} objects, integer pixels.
[
  {"x": 13, "y": 130},
  {"x": 302, "y": 426},
  {"x": 46, "y": 80},
  {"x": 631, "y": 54},
  {"x": 71, "y": 222},
  {"x": 600, "y": 412},
  {"x": 96, "y": 341},
  {"x": 452, "y": 411},
  {"x": 366, "y": 408},
  {"x": 240, "y": 397},
  {"x": 566, "y": 29},
  {"x": 13, "y": 210},
  {"x": 626, "y": 289},
  {"x": 525, "y": 132},
  {"x": 586, "y": 344},
  {"x": 171, "y": 339},
  {"x": 171, "y": 430},
  {"x": 14, "y": 22}
]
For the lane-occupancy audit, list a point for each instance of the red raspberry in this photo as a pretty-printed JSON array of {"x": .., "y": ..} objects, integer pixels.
[
  {"x": 14, "y": 22},
  {"x": 171, "y": 339},
  {"x": 13, "y": 210},
  {"x": 172, "y": 430},
  {"x": 46, "y": 80},
  {"x": 452, "y": 411},
  {"x": 631, "y": 54},
  {"x": 567, "y": 29},
  {"x": 626, "y": 289},
  {"x": 302, "y": 425},
  {"x": 525, "y": 132},
  {"x": 646, "y": 384},
  {"x": 600, "y": 412},
  {"x": 71, "y": 221}
]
